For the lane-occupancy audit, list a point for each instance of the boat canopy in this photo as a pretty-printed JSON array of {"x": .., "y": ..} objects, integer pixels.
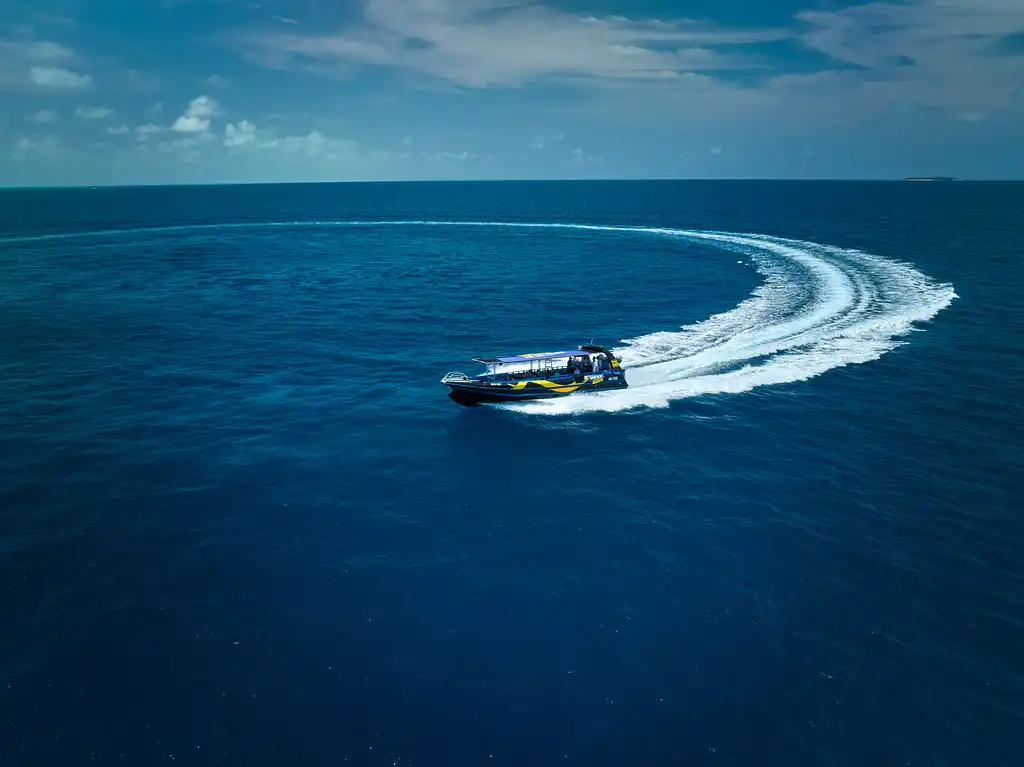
[{"x": 530, "y": 357}]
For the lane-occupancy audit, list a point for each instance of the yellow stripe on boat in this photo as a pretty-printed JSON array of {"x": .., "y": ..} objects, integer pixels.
[{"x": 561, "y": 388}]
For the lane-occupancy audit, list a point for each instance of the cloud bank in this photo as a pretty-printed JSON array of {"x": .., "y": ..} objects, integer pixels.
[
  {"x": 966, "y": 56},
  {"x": 197, "y": 117},
  {"x": 486, "y": 43},
  {"x": 525, "y": 88}
]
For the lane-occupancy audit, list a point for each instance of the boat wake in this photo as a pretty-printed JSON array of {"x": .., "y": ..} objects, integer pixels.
[{"x": 820, "y": 307}]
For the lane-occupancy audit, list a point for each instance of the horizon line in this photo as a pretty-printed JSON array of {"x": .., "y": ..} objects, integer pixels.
[{"x": 571, "y": 179}]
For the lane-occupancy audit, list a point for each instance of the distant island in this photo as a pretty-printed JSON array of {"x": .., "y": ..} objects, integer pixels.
[{"x": 930, "y": 178}]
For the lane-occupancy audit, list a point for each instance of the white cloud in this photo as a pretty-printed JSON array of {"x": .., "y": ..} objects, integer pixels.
[
  {"x": 190, "y": 125},
  {"x": 952, "y": 54},
  {"x": 920, "y": 59},
  {"x": 456, "y": 156},
  {"x": 217, "y": 81},
  {"x": 187, "y": 142},
  {"x": 878, "y": 34},
  {"x": 202, "y": 107},
  {"x": 18, "y": 57},
  {"x": 191, "y": 148},
  {"x": 959, "y": 56},
  {"x": 30, "y": 64},
  {"x": 715, "y": 150},
  {"x": 542, "y": 142},
  {"x": 57, "y": 77},
  {"x": 242, "y": 134},
  {"x": 93, "y": 112},
  {"x": 44, "y": 116},
  {"x": 317, "y": 145},
  {"x": 34, "y": 147},
  {"x": 119, "y": 130},
  {"x": 143, "y": 132},
  {"x": 46, "y": 50},
  {"x": 327, "y": 152},
  {"x": 580, "y": 156},
  {"x": 481, "y": 43},
  {"x": 197, "y": 117},
  {"x": 246, "y": 136}
]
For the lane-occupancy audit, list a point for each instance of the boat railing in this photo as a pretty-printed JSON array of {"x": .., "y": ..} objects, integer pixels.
[{"x": 455, "y": 376}]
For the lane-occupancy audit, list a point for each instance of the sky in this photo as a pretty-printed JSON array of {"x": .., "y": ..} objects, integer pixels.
[{"x": 97, "y": 92}]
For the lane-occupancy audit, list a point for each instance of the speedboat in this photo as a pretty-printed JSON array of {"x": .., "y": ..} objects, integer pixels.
[{"x": 538, "y": 376}]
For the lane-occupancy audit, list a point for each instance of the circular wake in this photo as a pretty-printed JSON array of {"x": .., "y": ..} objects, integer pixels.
[{"x": 820, "y": 307}]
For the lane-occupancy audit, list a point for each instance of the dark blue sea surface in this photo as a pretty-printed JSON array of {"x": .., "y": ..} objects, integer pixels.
[{"x": 242, "y": 524}]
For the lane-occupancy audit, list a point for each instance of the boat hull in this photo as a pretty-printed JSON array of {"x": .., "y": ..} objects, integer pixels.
[{"x": 479, "y": 392}]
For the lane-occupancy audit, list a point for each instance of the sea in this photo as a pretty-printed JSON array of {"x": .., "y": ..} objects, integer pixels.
[{"x": 241, "y": 522}]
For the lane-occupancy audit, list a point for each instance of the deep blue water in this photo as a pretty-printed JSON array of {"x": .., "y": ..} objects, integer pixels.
[{"x": 242, "y": 524}]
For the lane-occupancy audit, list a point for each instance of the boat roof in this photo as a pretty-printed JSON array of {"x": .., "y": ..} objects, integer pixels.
[{"x": 530, "y": 357}]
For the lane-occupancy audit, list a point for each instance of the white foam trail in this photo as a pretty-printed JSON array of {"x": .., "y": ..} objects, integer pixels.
[{"x": 819, "y": 308}]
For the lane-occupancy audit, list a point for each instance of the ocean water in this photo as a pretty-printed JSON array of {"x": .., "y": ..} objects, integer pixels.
[{"x": 242, "y": 524}]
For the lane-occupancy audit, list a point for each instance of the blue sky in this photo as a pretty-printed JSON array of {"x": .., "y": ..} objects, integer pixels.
[{"x": 195, "y": 91}]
